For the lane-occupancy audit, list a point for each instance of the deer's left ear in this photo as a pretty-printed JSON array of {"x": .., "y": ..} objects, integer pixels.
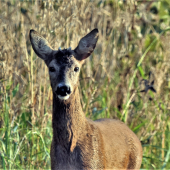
[
  {"x": 40, "y": 45},
  {"x": 86, "y": 45}
]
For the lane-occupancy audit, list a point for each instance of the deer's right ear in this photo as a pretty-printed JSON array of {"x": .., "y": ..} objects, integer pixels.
[
  {"x": 86, "y": 45},
  {"x": 40, "y": 45}
]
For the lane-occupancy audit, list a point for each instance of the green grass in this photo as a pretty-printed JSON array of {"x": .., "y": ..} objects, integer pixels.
[{"x": 22, "y": 142}]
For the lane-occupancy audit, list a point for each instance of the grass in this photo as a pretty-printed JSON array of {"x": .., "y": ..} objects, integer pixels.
[{"x": 127, "y": 76}]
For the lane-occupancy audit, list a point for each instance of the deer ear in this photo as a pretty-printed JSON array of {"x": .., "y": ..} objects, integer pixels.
[
  {"x": 86, "y": 45},
  {"x": 40, "y": 45}
]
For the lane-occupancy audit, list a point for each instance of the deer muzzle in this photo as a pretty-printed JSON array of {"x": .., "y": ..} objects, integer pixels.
[{"x": 63, "y": 91}]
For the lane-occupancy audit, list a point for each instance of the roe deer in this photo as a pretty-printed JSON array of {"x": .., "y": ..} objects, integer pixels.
[{"x": 80, "y": 143}]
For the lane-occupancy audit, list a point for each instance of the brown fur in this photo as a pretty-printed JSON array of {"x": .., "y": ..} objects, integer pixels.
[{"x": 80, "y": 143}]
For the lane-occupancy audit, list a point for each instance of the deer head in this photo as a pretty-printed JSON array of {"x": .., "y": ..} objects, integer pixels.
[{"x": 64, "y": 65}]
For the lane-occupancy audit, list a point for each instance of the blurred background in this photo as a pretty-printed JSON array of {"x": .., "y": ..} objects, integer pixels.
[{"x": 127, "y": 77}]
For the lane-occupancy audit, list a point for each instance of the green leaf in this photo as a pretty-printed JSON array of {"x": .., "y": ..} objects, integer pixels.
[
  {"x": 141, "y": 72},
  {"x": 137, "y": 128},
  {"x": 16, "y": 89}
]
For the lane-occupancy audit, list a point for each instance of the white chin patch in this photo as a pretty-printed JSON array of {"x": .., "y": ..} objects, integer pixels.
[{"x": 63, "y": 97}]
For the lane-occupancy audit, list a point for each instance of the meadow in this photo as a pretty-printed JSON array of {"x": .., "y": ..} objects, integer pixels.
[{"x": 127, "y": 77}]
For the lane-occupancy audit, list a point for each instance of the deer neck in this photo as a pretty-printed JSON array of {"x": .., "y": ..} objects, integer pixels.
[{"x": 68, "y": 120}]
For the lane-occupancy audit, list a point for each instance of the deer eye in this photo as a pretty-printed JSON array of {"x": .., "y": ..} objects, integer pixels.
[
  {"x": 51, "y": 69},
  {"x": 76, "y": 69}
]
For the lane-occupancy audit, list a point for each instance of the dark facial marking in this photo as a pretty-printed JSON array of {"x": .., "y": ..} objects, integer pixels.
[
  {"x": 63, "y": 57},
  {"x": 61, "y": 75}
]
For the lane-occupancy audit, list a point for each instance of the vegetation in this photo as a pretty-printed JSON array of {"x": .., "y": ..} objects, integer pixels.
[{"x": 127, "y": 76}]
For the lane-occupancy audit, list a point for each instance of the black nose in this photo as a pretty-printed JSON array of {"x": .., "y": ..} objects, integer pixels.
[{"x": 63, "y": 90}]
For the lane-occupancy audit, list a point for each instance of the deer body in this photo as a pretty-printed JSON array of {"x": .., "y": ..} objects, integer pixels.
[{"x": 80, "y": 143}]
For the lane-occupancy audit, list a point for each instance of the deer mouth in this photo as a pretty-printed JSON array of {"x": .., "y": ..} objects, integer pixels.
[{"x": 63, "y": 97}]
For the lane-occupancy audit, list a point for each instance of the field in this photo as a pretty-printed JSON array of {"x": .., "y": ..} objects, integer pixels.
[{"x": 127, "y": 77}]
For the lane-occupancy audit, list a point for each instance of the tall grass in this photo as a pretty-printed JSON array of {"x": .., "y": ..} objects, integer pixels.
[{"x": 127, "y": 76}]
